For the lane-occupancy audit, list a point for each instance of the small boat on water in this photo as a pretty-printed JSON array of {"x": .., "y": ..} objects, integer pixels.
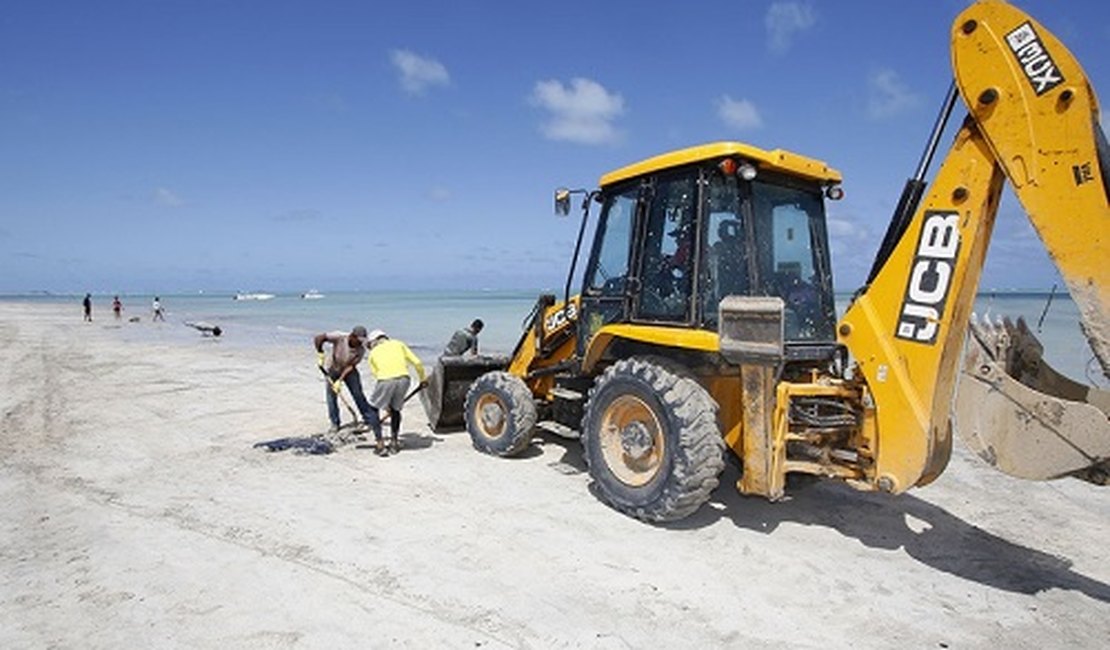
[
  {"x": 254, "y": 296},
  {"x": 311, "y": 294}
]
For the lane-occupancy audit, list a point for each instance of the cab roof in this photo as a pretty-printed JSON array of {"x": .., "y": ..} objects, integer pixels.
[{"x": 778, "y": 160}]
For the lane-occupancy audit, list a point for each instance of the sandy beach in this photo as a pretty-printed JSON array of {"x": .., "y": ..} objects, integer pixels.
[{"x": 137, "y": 514}]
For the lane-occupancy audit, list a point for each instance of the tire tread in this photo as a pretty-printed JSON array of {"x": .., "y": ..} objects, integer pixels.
[{"x": 698, "y": 459}]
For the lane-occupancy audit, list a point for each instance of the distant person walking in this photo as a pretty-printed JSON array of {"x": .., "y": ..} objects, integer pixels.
[
  {"x": 87, "y": 303},
  {"x": 341, "y": 366},
  {"x": 156, "y": 307},
  {"x": 465, "y": 340},
  {"x": 117, "y": 307},
  {"x": 389, "y": 361}
]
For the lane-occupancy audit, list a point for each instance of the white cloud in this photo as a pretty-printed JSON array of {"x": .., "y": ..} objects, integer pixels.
[
  {"x": 852, "y": 245},
  {"x": 582, "y": 111},
  {"x": 845, "y": 230},
  {"x": 849, "y": 236},
  {"x": 738, "y": 113},
  {"x": 888, "y": 95},
  {"x": 166, "y": 198},
  {"x": 439, "y": 194},
  {"x": 784, "y": 20},
  {"x": 418, "y": 73}
]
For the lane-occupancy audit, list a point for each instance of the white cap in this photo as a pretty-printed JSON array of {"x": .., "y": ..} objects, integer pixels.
[{"x": 375, "y": 335}]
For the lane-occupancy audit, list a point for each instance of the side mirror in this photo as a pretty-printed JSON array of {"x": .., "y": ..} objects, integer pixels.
[{"x": 562, "y": 201}]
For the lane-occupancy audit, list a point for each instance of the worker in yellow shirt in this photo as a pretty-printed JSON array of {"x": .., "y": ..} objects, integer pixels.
[{"x": 389, "y": 361}]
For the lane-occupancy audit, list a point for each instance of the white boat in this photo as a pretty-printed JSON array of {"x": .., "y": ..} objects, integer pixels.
[
  {"x": 254, "y": 296},
  {"x": 311, "y": 294}
]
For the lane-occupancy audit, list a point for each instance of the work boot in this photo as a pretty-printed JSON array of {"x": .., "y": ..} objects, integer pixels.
[
  {"x": 379, "y": 447},
  {"x": 394, "y": 445}
]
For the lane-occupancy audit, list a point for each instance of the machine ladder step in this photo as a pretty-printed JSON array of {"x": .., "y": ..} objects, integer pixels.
[
  {"x": 561, "y": 430},
  {"x": 561, "y": 392}
]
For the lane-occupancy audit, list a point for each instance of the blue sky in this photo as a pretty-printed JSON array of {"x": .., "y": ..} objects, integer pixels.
[{"x": 161, "y": 146}]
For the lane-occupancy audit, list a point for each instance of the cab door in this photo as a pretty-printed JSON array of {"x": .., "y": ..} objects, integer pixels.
[
  {"x": 609, "y": 280},
  {"x": 669, "y": 248}
]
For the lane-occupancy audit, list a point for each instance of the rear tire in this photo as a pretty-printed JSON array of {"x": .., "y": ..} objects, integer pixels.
[
  {"x": 651, "y": 440},
  {"x": 500, "y": 414}
]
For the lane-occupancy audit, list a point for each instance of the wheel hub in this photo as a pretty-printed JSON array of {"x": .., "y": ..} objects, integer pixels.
[
  {"x": 491, "y": 415},
  {"x": 632, "y": 441},
  {"x": 636, "y": 440}
]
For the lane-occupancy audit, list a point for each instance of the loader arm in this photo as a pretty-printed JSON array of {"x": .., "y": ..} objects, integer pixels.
[{"x": 1033, "y": 122}]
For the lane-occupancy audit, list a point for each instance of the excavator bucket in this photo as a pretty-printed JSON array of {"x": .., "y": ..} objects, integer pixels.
[
  {"x": 444, "y": 399},
  {"x": 1023, "y": 417}
]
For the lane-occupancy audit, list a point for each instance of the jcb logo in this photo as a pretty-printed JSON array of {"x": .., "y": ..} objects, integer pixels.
[
  {"x": 561, "y": 317},
  {"x": 1034, "y": 59},
  {"x": 930, "y": 279}
]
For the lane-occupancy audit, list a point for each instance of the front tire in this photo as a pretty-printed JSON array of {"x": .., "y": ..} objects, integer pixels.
[
  {"x": 651, "y": 440},
  {"x": 500, "y": 414}
]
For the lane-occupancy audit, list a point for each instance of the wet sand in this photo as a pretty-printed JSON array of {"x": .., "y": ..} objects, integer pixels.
[{"x": 137, "y": 514}]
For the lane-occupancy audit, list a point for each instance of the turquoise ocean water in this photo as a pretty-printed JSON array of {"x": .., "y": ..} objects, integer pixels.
[{"x": 426, "y": 320}]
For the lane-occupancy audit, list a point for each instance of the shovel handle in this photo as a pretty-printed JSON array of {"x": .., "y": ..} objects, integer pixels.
[
  {"x": 419, "y": 387},
  {"x": 342, "y": 397}
]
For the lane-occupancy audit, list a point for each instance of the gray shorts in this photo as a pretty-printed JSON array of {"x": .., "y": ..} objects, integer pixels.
[{"x": 390, "y": 393}]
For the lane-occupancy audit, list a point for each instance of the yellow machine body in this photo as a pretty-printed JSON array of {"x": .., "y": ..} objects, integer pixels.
[{"x": 879, "y": 409}]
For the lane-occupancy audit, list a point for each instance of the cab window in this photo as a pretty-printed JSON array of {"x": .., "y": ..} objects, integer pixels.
[
  {"x": 668, "y": 251},
  {"x": 789, "y": 228},
  {"x": 725, "y": 271},
  {"x": 609, "y": 271}
]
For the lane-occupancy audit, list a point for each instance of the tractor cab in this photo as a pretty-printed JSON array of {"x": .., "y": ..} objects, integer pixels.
[{"x": 679, "y": 232}]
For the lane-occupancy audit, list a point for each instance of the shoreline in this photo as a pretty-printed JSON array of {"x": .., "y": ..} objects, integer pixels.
[
  {"x": 1060, "y": 292},
  {"x": 137, "y": 514}
]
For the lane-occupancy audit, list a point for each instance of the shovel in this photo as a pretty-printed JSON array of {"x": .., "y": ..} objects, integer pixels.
[{"x": 342, "y": 397}]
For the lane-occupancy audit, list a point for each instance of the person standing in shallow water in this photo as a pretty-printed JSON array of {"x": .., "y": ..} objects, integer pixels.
[
  {"x": 117, "y": 307},
  {"x": 87, "y": 303},
  {"x": 156, "y": 307}
]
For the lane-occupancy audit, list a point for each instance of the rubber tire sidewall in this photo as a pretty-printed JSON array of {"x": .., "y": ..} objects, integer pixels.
[
  {"x": 688, "y": 416},
  {"x": 520, "y": 420}
]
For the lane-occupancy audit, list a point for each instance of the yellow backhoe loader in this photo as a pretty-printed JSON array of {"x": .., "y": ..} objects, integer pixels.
[{"x": 706, "y": 319}]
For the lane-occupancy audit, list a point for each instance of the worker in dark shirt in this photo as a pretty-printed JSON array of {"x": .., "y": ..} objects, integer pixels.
[
  {"x": 341, "y": 367},
  {"x": 464, "y": 340}
]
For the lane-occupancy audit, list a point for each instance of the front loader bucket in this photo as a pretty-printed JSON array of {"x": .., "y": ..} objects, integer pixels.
[
  {"x": 445, "y": 396},
  {"x": 1024, "y": 418}
]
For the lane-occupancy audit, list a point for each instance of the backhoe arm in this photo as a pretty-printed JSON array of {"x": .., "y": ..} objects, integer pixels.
[
  {"x": 1039, "y": 116},
  {"x": 1033, "y": 121}
]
